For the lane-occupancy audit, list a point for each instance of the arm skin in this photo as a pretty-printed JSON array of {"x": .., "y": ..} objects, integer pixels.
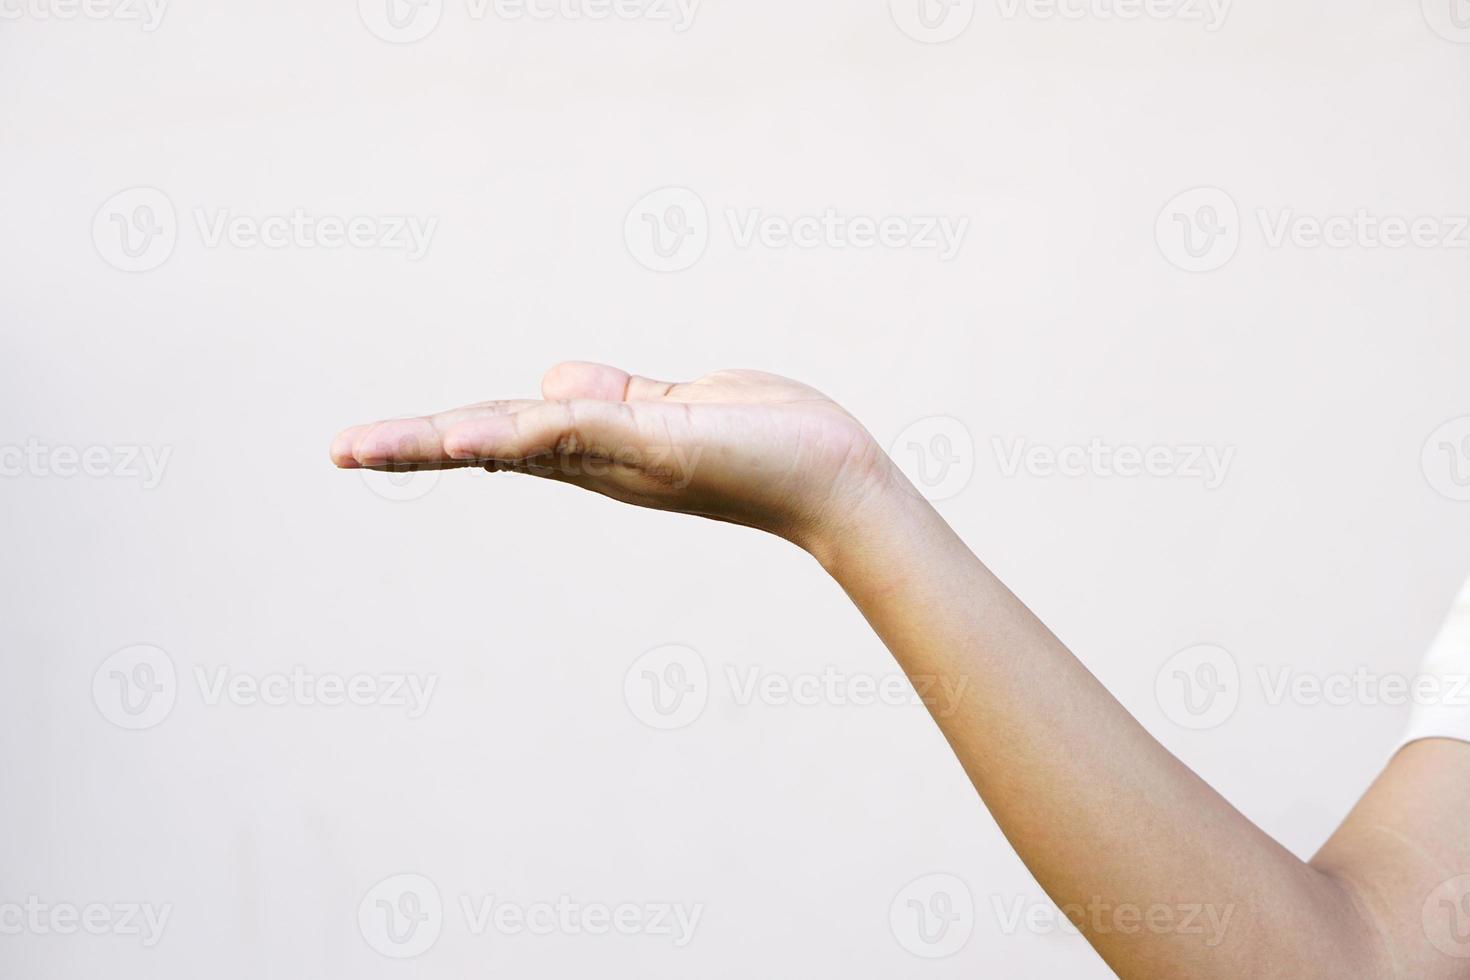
[{"x": 1114, "y": 828}]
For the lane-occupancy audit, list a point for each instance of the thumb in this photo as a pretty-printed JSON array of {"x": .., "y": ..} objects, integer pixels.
[{"x": 600, "y": 382}]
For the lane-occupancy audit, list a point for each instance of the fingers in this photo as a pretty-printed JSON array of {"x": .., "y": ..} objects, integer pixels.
[
  {"x": 605, "y": 429},
  {"x": 599, "y": 382},
  {"x": 409, "y": 441},
  {"x": 585, "y": 410},
  {"x": 344, "y": 447}
]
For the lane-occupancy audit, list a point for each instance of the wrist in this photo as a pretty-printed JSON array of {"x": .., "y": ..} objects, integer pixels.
[{"x": 875, "y": 524}]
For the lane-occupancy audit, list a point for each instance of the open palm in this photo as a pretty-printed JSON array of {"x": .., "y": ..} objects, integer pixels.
[{"x": 739, "y": 446}]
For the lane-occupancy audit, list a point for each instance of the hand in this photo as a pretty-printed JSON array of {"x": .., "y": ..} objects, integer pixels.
[{"x": 738, "y": 446}]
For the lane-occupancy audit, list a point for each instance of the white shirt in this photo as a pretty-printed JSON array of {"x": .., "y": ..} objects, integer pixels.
[{"x": 1445, "y": 711}]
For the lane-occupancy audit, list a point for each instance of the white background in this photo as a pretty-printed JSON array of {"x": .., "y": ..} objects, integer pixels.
[{"x": 1327, "y": 548}]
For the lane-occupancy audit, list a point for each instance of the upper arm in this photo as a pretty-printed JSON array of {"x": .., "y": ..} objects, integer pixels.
[{"x": 1403, "y": 854}]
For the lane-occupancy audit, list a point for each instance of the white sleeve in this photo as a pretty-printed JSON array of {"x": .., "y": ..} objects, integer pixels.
[{"x": 1442, "y": 691}]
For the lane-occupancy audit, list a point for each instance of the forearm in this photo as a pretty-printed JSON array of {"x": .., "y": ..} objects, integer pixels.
[{"x": 1110, "y": 823}]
